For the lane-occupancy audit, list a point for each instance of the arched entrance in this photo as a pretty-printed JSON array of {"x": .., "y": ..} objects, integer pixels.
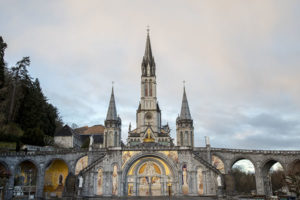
[
  {"x": 25, "y": 180},
  {"x": 243, "y": 177},
  {"x": 55, "y": 177},
  {"x": 273, "y": 177},
  {"x": 149, "y": 176},
  {"x": 4, "y": 177}
]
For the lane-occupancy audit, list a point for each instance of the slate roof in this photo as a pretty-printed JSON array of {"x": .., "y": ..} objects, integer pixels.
[{"x": 65, "y": 131}]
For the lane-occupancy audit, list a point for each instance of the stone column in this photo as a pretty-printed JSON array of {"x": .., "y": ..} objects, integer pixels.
[
  {"x": 40, "y": 181},
  {"x": 107, "y": 185},
  {"x": 180, "y": 183},
  {"x": 120, "y": 185},
  {"x": 204, "y": 182},
  {"x": 260, "y": 190},
  {"x": 10, "y": 184},
  {"x": 192, "y": 183}
]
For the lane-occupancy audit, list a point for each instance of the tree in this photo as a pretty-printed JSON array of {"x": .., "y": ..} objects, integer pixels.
[
  {"x": 18, "y": 72},
  {"x": 244, "y": 182},
  {"x": 3, "y": 46},
  {"x": 277, "y": 178}
]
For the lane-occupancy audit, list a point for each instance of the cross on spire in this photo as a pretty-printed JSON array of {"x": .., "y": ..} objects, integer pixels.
[{"x": 148, "y": 29}]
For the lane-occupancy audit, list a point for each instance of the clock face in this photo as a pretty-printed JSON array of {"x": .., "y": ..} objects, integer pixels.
[{"x": 148, "y": 115}]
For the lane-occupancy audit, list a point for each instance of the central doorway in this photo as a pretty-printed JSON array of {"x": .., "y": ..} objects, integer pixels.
[{"x": 149, "y": 176}]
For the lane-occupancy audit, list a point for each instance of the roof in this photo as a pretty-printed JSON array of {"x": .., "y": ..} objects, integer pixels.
[
  {"x": 85, "y": 130},
  {"x": 112, "y": 110},
  {"x": 65, "y": 131},
  {"x": 185, "y": 110}
]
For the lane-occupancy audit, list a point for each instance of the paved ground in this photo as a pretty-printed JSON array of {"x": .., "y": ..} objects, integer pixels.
[{"x": 151, "y": 198}]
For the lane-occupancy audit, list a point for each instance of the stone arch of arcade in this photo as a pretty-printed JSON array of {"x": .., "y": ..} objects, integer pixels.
[
  {"x": 265, "y": 169},
  {"x": 262, "y": 161},
  {"x": 25, "y": 177},
  {"x": 136, "y": 180},
  {"x": 56, "y": 172}
]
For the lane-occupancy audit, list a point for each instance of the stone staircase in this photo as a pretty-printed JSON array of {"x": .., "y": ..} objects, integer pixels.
[
  {"x": 207, "y": 164},
  {"x": 93, "y": 164}
]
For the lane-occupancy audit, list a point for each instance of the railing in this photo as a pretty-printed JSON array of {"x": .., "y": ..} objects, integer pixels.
[
  {"x": 98, "y": 160},
  {"x": 256, "y": 151},
  {"x": 207, "y": 164},
  {"x": 56, "y": 152}
]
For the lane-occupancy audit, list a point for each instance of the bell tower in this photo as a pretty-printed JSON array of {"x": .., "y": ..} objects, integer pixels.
[
  {"x": 148, "y": 113},
  {"x": 184, "y": 124},
  {"x": 112, "y": 130}
]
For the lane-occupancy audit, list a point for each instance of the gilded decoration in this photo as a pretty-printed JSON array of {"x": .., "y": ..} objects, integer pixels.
[
  {"x": 173, "y": 155},
  {"x": 100, "y": 182},
  {"x": 126, "y": 155},
  {"x": 81, "y": 164},
  {"x": 218, "y": 163},
  {"x": 149, "y": 138}
]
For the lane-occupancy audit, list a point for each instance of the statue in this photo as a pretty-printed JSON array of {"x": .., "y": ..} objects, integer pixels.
[
  {"x": 99, "y": 182},
  {"x": 80, "y": 181},
  {"x": 185, "y": 187},
  {"x": 219, "y": 181},
  {"x": 115, "y": 181},
  {"x": 91, "y": 142}
]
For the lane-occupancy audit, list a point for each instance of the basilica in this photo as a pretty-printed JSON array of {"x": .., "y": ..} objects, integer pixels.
[{"x": 149, "y": 163}]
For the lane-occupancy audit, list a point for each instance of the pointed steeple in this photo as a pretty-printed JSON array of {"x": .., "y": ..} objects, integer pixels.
[
  {"x": 148, "y": 60},
  {"x": 148, "y": 50},
  {"x": 185, "y": 110},
  {"x": 112, "y": 110}
]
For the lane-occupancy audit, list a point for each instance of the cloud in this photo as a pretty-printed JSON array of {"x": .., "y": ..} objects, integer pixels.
[{"x": 239, "y": 59}]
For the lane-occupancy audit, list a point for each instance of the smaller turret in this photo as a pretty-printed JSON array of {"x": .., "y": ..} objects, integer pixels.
[
  {"x": 112, "y": 131},
  {"x": 184, "y": 124}
]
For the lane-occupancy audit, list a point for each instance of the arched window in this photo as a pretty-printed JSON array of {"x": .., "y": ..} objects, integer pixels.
[
  {"x": 116, "y": 138},
  {"x": 186, "y": 138},
  {"x": 181, "y": 138},
  {"x": 146, "y": 88},
  {"x": 150, "y": 88}
]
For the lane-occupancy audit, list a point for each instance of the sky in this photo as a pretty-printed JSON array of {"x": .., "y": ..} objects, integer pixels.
[{"x": 239, "y": 59}]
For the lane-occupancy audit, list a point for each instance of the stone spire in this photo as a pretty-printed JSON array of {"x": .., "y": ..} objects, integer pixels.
[
  {"x": 112, "y": 110},
  {"x": 185, "y": 110},
  {"x": 148, "y": 50},
  {"x": 148, "y": 60}
]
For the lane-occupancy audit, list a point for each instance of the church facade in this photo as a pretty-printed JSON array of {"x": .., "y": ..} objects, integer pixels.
[{"x": 150, "y": 164}]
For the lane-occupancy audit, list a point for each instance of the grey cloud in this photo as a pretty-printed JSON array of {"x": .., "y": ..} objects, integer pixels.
[{"x": 240, "y": 61}]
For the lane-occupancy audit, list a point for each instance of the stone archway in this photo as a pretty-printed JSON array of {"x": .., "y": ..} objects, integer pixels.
[
  {"x": 242, "y": 176},
  {"x": 55, "y": 176},
  {"x": 267, "y": 175},
  {"x": 149, "y": 175},
  {"x": 25, "y": 179}
]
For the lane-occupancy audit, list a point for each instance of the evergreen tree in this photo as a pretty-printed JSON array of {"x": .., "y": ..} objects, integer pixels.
[
  {"x": 3, "y": 46},
  {"x": 25, "y": 113}
]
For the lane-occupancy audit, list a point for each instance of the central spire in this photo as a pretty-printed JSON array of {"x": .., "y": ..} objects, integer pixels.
[
  {"x": 148, "y": 64},
  {"x": 148, "y": 50}
]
